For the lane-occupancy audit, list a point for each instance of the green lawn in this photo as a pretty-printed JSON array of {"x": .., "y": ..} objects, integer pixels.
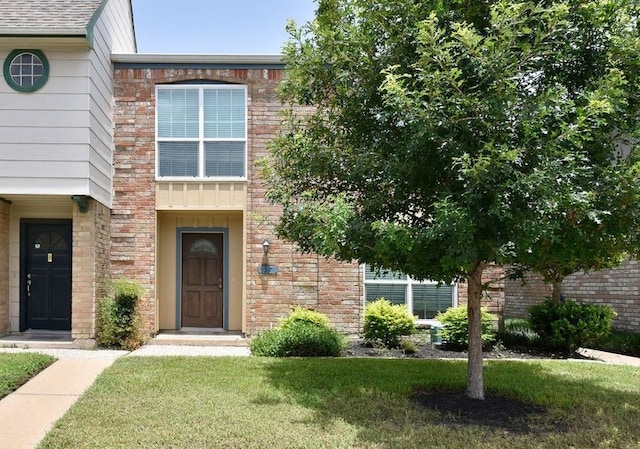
[
  {"x": 17, "y": 368},
  {"x": 182, "y": 402}
]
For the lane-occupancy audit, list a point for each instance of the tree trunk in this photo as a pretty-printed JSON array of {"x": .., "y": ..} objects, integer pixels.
[
  {"x": 475, "y": 380},
  {"x": 556, "y": 291}
]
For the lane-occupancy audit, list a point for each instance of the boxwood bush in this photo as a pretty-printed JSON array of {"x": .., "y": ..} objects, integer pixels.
[
  {"x": 301, "y": 315},
  {"x": 386, "y": 323},
  {"x": 303, "y": 333},
  {"x": 455, "y": 327},
  {"x": 119, "y": 324},
  {"x": 568, "y": 325}
]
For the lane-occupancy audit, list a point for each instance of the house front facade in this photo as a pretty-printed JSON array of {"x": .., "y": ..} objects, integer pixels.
[
  {"x": 119, "y": 164},
  {"x": 190, "y": 221},
  {"x": 56, "y": 148}
]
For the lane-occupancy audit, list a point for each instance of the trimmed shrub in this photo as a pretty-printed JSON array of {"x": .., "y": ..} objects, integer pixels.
[
  {"x": 119, "y": 324},
  {"x": 298, "y": 339},
  {"x": 385, "y": 323},
  {"x": 300, "y": 315},
  {"x": 568, "y": 325},
  {"x": 408, "y": 346},
  {"x": 455, "y": 327}
]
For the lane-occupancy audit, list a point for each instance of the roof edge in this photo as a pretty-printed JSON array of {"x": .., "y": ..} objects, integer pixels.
[
  {"x": 195, "y": 58},
  {"x": 18, "y": 31}
]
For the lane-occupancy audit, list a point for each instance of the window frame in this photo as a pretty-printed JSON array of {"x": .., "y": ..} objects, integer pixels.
[
  {"x": 201, "y": 139},
  {"x": 408, "y": 283},
  {"x": 42, "y": 80}
]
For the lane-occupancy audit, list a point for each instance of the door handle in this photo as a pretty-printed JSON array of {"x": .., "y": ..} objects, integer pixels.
[
  {"x": 220, "y": 284},
  {"x": 29, "y": 284}
]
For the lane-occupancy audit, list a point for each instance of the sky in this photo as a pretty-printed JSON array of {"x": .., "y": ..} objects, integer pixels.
[{"x": 216, "y": 26}]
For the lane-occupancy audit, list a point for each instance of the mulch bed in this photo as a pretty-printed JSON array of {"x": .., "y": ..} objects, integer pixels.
[
  {"x": 454, "y": 408},
  {"x": 360, "y": 348},
  {"x": 494, "y": 412}
]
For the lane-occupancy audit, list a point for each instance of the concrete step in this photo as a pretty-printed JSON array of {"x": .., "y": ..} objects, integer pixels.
[{"x": 173, "y": 339}]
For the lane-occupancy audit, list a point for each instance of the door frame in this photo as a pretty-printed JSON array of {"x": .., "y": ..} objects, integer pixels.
[
  {"x": 24, "y": 222},
  {"x": 225, "y": 271}
]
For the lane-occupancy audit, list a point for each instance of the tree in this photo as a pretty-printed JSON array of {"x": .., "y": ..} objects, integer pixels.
[{"x": 435, "y": 138}]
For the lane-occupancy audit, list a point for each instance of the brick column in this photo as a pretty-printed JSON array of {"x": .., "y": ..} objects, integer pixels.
[
  {"x": 5, "y": 216},
  {"x": 91, "y": 267}
]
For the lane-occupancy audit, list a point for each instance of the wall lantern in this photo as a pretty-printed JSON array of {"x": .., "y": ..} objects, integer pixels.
[
  {"x": 265, "y": 268},
  {"x": 81, "y": 201}
]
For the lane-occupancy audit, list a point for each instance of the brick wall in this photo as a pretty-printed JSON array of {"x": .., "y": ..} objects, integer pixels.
[
  {"x": 133, "y": 219},
  {"x": 306, "y": 280},
  {"x": 333, "y": 288},
  {"x": 618, "y": 287},
  {"x": 91, "y": 231},
  {"x": 494, "y": 297},
  {"x": 5, "y": 215}
]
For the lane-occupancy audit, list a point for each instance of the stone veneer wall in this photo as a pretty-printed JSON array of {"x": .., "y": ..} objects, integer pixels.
[
  {"x": 5, "y": 216},
  {"x": 91, "y": 232},
  {"x": 618, "y": 287},
  {"x": 331, "y": 287}
]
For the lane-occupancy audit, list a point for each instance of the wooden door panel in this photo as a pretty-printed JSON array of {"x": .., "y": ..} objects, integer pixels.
[
  {"x": 211, "y": 273},
  {"x": 202, "y": 295}
]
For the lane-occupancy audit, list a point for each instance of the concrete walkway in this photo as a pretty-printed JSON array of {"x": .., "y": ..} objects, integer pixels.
[{"x": 28, "y": 414}]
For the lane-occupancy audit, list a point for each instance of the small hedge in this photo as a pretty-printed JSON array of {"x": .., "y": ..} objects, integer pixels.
[
  {"x": 119, "y": 324},
  {"x": 455, "y": 327},
  {"x": 303, "y": 333},
  {"x": 568, "y": 325},
  {"x": 386, "y": 323},
  {"x": 300, "y": 315}
]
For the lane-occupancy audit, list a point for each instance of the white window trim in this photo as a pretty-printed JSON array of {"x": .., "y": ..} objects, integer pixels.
[
  {"x": 201, "y": 139},
  {"x": 408, "y": 282}
]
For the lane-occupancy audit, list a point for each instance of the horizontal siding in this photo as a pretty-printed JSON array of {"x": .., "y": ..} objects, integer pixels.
[
  {"x": 112, "y": 30},
  {"x": 46, "y": 169},
  {"x": 44, "y": 186},
  {"x": 40, "y": 135},
  {"x": 43, "y": 152},
  {"x": 59, "y": 140},
  {"x": 117, "y": 19},
  {"x": 39, "y": 101},
  {"x": 44, "y": 135}
]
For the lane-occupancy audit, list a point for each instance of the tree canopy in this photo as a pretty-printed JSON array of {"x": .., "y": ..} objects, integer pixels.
[{"x": 437, "y": 137}]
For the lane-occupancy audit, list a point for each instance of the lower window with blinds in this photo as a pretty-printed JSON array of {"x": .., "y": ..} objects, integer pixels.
[{"x": 423, "y": 299}]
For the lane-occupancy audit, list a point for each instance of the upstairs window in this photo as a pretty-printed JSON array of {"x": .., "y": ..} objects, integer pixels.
[
  {"x": 201, "y": 132},
  {"x": 422, "y": 299},
  {"x": 26, "y": 70}
]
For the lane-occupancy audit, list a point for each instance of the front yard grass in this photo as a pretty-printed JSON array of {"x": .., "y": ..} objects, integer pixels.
[
  {"x": 182, "y": 402},
  {"x": 17, "y": 368}
]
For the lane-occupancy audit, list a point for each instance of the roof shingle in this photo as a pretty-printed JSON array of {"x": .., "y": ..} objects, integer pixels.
[{"x": 36, "y": 17}]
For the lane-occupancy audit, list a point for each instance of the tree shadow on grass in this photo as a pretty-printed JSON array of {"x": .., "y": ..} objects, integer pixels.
[{"x": 410, "y": 403}]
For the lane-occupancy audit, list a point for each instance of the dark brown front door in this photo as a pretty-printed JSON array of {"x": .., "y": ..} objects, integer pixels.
[
  {"x": 202, "y": 299},
  {"x": 47, "y": 275}
]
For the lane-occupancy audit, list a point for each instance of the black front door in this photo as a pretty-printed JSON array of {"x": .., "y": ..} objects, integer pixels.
[{"x": 46, "y": 274}]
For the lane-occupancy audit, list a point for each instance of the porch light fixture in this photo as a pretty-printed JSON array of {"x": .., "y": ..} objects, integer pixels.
[
  {"x": 265, "y": 247},
  {"x": 81, "y": 201}
]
